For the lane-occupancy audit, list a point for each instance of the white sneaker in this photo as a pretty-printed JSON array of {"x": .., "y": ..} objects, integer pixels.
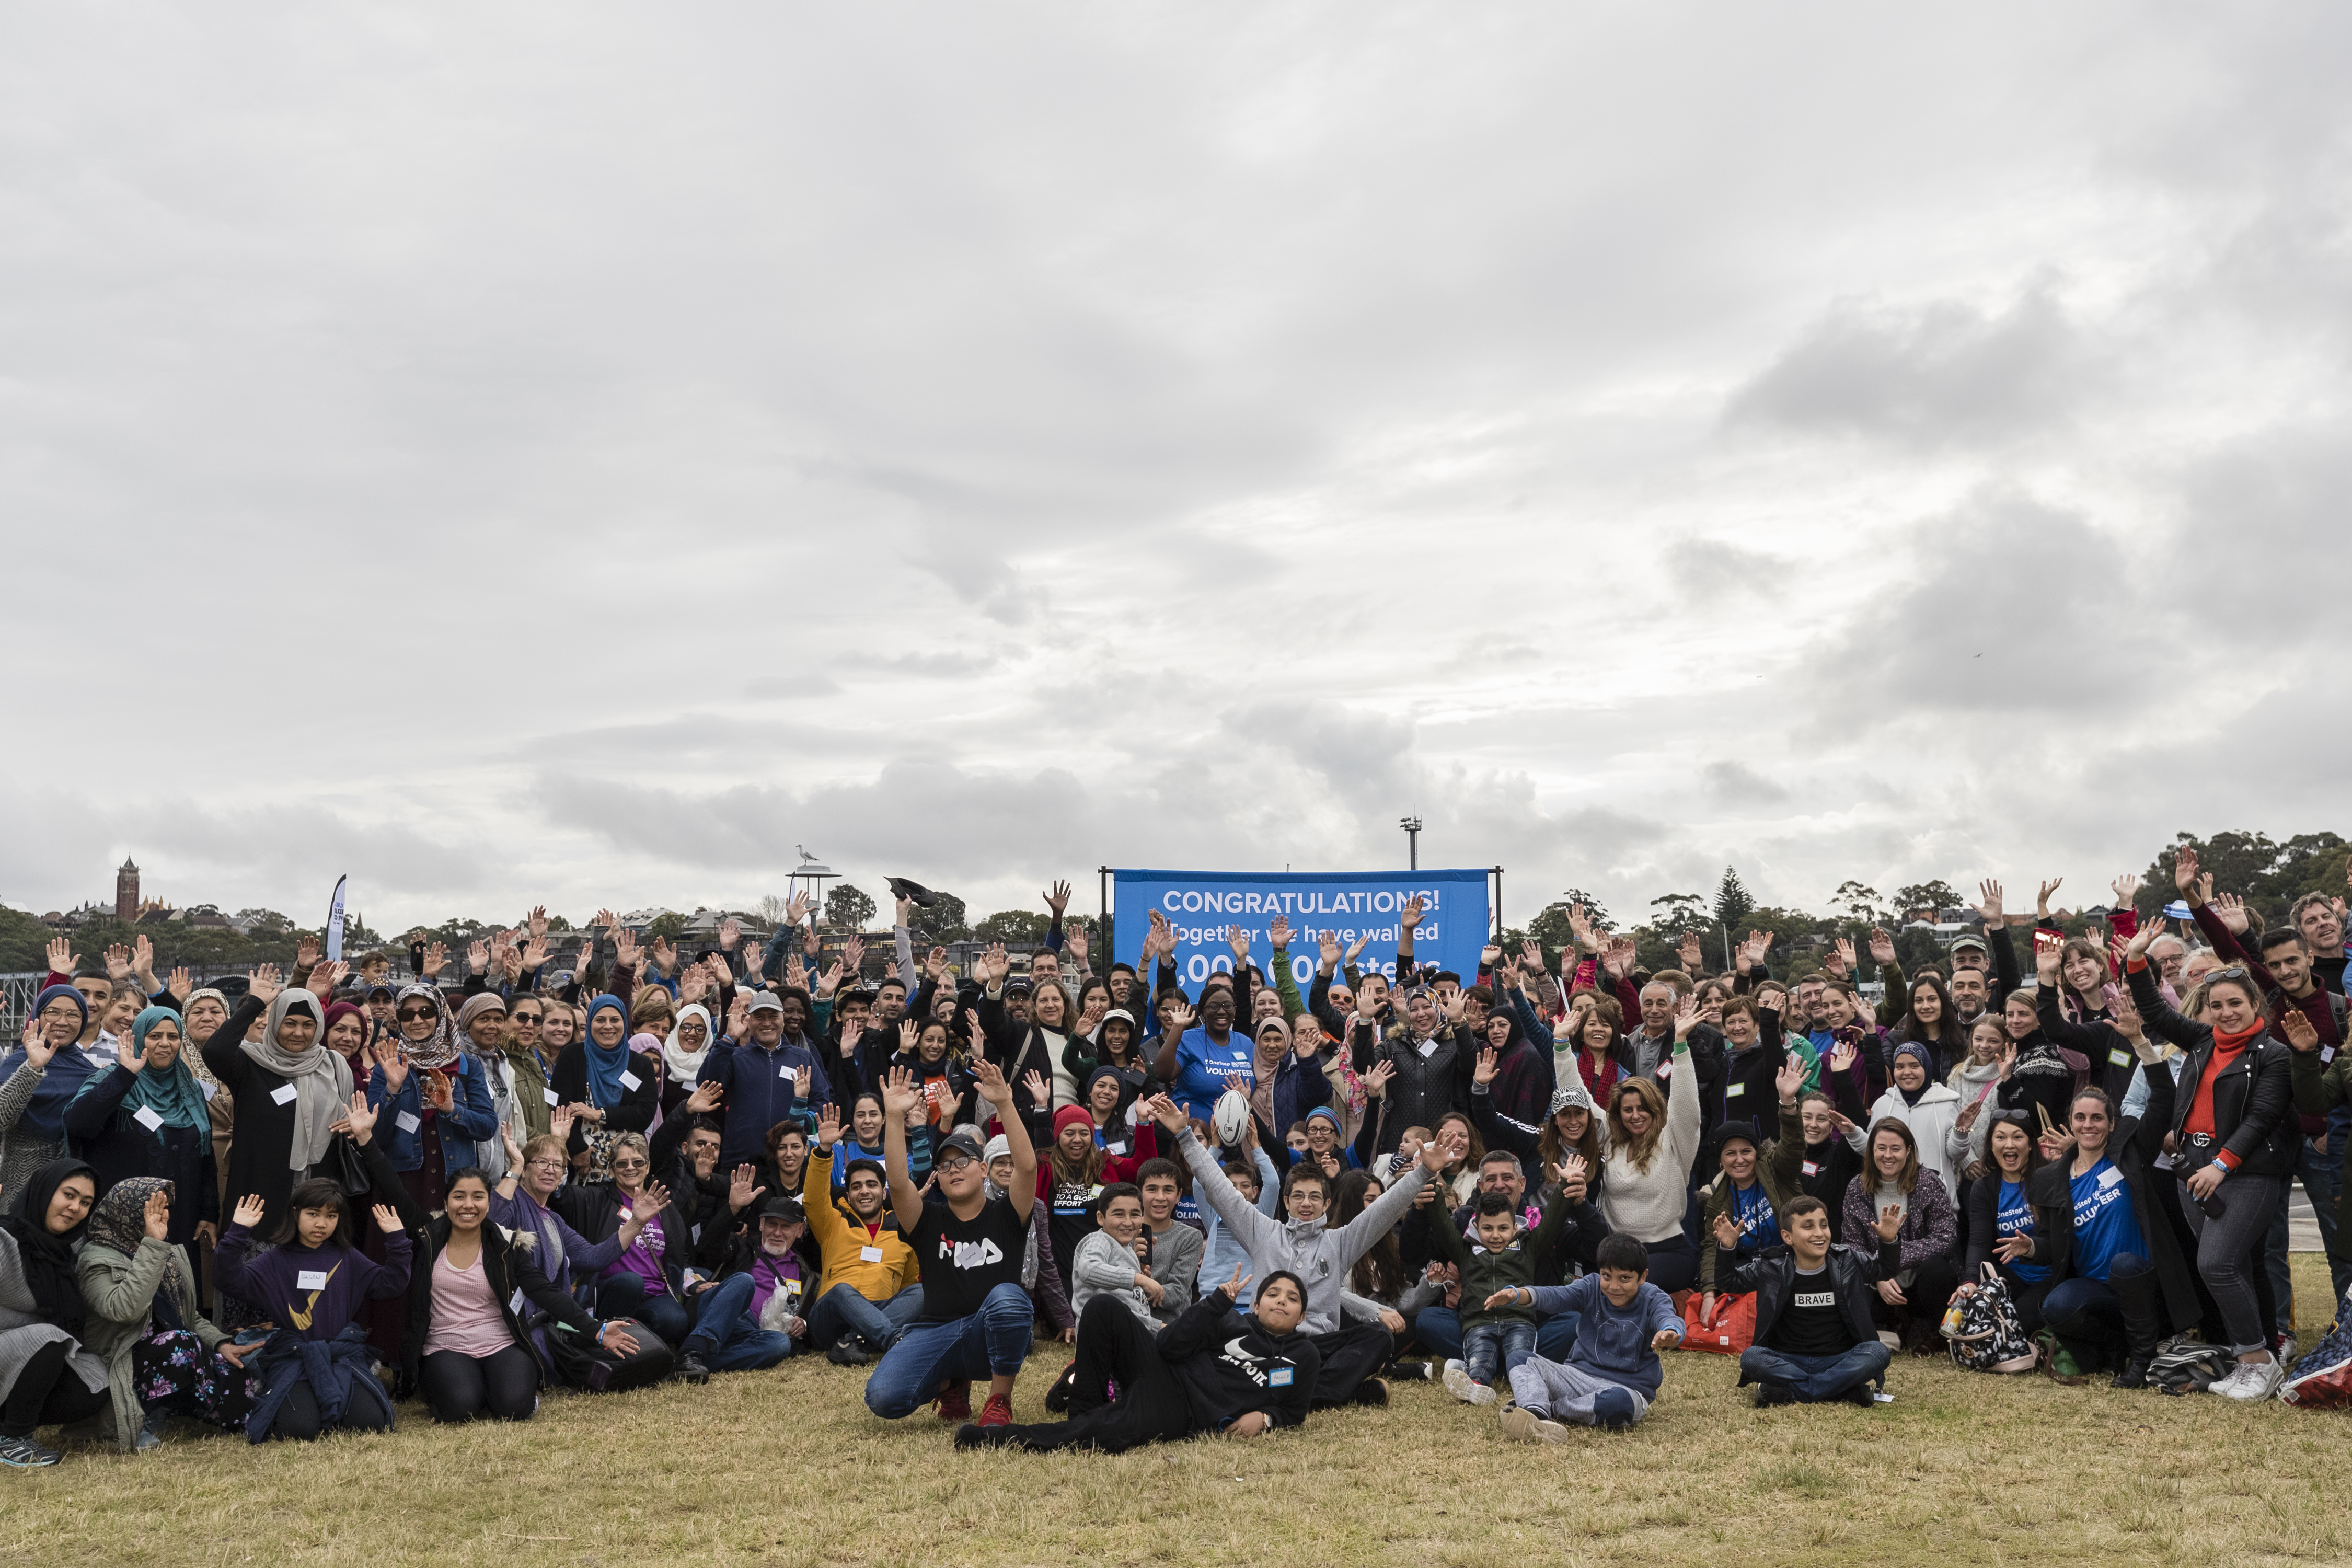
[
  {"x": 1457, "y": 1383},
  {"x": 1455, "y": 1363},
  {"x": 1525, "y": 1426},
  {"x": 2249, "y": 1381},
  {"x": 1480, "y": 1393}
]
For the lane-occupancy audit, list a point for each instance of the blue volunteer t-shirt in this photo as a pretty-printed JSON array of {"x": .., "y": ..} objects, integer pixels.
[
  {"x": 1202, "y": 1065},
  {"x": 1752, "y": 1211},
  {"x": 2104, "y": 1224},
  {"x": 2015, "y": 1218}
]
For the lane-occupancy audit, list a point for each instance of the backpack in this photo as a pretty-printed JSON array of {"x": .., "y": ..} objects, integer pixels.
[
  {"x": 1984, "y": 1331},
  {"x": 2323, "y": 1379},
  {"x": 2183, "y": 1365}
]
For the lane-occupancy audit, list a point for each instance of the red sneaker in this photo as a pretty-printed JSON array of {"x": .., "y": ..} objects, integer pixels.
[
  {"x": 997, "y": 1412},
  {"x": 954, "y": 1403}
]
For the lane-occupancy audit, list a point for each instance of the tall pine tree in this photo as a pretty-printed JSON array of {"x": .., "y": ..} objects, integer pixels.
[{"x": 1732, "y": 902}]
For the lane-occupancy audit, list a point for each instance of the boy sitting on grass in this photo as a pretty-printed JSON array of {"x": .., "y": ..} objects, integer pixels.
[
  {"x": 1498, "y": 1331},
  {"x": 1815, "y": 1339},
  {"x": 1612, "y": 1373}
]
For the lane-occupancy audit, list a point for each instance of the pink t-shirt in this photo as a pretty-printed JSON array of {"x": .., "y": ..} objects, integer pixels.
[{"x": 465, "y": 1317}]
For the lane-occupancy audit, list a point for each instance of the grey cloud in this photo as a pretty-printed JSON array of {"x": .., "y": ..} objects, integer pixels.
[
  {"x": 1933, "y": 374},
  {"x": 1737, "y": 782},
  {"x": 1712, "y": 569}
]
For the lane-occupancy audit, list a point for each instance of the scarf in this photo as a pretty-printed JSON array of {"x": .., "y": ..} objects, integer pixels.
[
  {"x": 440, "y": 1048},
  {"x": 686, "y": 1066},
  {"x": 45, "y": 1114},
  {"x": 1271, "y": 1048},
  {"x": 2226, "y": 1043},
  {"x": 190, "y": 1052},
  {"x": 170, "y": 1092},
  {"x": 321, "y": 1080},
  {"x": 605, "y": 1065},
  {"x": 120, "y": 1220},
  {"x": 47, "y": 1259},
  {"x": 479, "y": 1003}
]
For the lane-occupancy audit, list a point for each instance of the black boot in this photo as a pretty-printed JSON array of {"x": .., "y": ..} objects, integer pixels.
[{"x": 2143, "y": 1326}]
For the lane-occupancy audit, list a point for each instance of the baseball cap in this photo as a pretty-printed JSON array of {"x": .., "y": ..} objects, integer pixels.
[
  {"x": 965, "y": 1140},
  {"x": 764, "y": 1002}
]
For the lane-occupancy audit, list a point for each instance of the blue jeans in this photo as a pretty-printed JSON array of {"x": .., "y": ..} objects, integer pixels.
[
  {"x": 991, "y": 1342},
  {"x": 845, "y": 1310},
  {"x": 1439, "y": 1330},
  {"x": 624, "y": 1295},
  {"x": 725, "y": 1334},
  {"x": 1814, "y": 1379},
  {"x": 1492, "y": 1348}
]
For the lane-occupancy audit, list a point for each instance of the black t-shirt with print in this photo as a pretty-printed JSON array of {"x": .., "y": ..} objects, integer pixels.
[
  {"x": 964, "y": 1259},
  {"x": 1810, "y": 1324}
]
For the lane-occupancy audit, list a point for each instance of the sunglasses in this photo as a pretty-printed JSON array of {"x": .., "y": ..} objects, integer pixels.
[
  {"x": 525, "y": 1017},
  {"x": 414, "y": 1015},
  {"x": 629, "y": 1165}
]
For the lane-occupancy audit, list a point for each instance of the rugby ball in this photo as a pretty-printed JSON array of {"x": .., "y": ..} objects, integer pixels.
[{"x": 1229, "y": 1118}]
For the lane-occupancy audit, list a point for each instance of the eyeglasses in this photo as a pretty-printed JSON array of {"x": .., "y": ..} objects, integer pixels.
[
  {"x": 414, "y": 1014},
  {"x": 955, "y": 1163},
  {"x": 545, "y": 1166}
]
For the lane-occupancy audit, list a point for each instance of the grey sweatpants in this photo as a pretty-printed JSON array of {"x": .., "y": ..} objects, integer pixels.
[{"x": 1558, "y": 1392}]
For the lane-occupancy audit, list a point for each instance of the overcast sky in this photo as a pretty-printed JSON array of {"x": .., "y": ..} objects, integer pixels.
[{"x": 577, "y": 453}]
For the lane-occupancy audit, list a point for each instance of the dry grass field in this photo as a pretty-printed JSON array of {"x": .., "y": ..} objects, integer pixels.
[{"x": 786, "y": 1467}]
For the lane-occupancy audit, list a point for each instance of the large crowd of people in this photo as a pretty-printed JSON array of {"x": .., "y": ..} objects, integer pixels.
[{"x": 290, "y": 1205}]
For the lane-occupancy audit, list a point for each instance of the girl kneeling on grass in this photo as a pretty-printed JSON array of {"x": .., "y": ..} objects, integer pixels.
[{"x": 315, "y": 1367}]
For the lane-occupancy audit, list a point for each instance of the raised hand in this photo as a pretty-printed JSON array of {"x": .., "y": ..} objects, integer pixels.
[
  {"x": 1410, "y": 916},
  {"x": 512, "y": 1149},
  {"x": 1237, "y": 937},
  {"x": 795, "y": 972},
  {"x": 1077, "y": 943},
  {"x": 1162, "y": 1109},
  {"x": 2300, "y": 1033},
  {"x": 2123, "y": 887},
  {"x": 705, "y": 1097},
  {"x": 995, "y": 965},
  {"x": 1690, "y": 952},
  {"x": 1278, "y": 933},
  {"x": 1236, "y": 1084},
  {"x": 990, "y": 1081},
  {"x": 1484, "y": 1074},
  {"x": 181, "y": 983},
  {"x": 2042, "y": 899},
  {"x": 1242, "y": 1277},
  {"x": 1842, "y": 955},
  {"x": 325, "y": 977},
  {"x": 741, "y": 1193},
  {"x": 435, "y": 956},
  {"x": 143, "y": 959},
  {"x": 830, "y": 980},
  {"x": 1773, "y": 1002},
  {"x": 1890, "y": 1225},
  {"x": 1356, "y": 948},
  {"x": 803, "y": 1076},
  {"x": 249, "y": 1209},
  {"x": 1685, "y": 1019},
  {"x": 386, "y": 1220},
  {"x": 155, "y": 1216},
  {"x": 828, "y": 1126},
  {"x": 1179, "y": 1018},
  {"x": 1968, "y": 1117},
  {"x": 852, "y": 952},
  {"x": 1619, "y": 959},
  {"x": 437, "y": 1091},
  {"x": 1790, "y": 1078},
  {"x": 61, "y": 955},
  {"x": 1375, "y": 1080},
  {"x": 1988, "y": 905},
  {"x": 1057, "y": 898},
  {"x": 2141, "y": 939},
  {"x": 2232, "y": 908},
  {"x": 1842, "y": 1052},
  {"x": 1040, "y": 1091},
  {"x": 1760, "y": 944},
  {"x": 306, "y": 952},
  {"x": 693, "y": 985},
  {"x": 265, "y": 984},
  {"x": 1881, "y": 945},
  {"x": 477, "y": 956},
  {"x": 2046, "y": 955},
  {"x": 1726, "y": 1232},
  {"x": 1571, "y": 1173},
  {"x": 1327, "y": 947},
  {"x": 1443, "y": 1149}
]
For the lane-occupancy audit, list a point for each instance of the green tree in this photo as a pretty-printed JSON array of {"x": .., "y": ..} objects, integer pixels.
[
  {"x": 1937, "y": 895},
  {"x": 2267, "y": 874},
  {"x": 943, "y": 922},
  {"x": 1594, "y": 910},
  {"x": 848, "y": 907},
  {"x": 1013, "y": 928},
  {"x": 1679, "y": 913},
  {"x": 1732, "y": 900},
  {"x": 1858, "y": 900},
  {"x": 668, "y": 926}
]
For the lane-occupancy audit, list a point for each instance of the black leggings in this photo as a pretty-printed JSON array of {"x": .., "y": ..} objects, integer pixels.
[
  {"x": 1113, "y": 1344},
  {"x": 47, "y": 1392},
  {"x": 1673, "y": 1263},
  {"x": 458, "y": 1387},
  {"x": 299, "y": 1421}
]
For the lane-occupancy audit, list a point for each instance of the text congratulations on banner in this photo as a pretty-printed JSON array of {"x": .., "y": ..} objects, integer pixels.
[{"x": 1204, "y": 907}]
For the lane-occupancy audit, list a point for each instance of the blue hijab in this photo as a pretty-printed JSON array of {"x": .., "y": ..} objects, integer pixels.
[
  {"x": 170, "y": 1092},
  {"x": 45, "y": 1113},
  {"x": 605, "y": 1067}
]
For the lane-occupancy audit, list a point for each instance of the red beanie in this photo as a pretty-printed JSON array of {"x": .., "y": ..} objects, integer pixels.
[{"x": 1072, "y": 1116}]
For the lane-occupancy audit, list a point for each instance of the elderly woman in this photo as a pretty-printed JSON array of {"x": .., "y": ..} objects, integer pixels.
[
  {"x": 47, "y": 1376},
  {"x": 38, "y": 1080},
  {"x": 162, "y": 1356},
  {"x": 146, "y": 1116},
  {"x": 432, "y": 1094},
  {"x": 535, "y": 1174}
]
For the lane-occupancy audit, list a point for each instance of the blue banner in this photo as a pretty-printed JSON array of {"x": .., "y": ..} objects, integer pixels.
[{"x": 1203, "y": 907}]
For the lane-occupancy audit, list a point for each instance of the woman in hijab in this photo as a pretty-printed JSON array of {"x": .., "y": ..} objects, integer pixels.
[
  {"x": 38, "y": 1080},
  {"x": 162, "y": 1355},
  {"x": 601, "y": 1081},
  {"x": 482, "y": 1024},
  {"x": 201, "y": 1016},
  {"x": 146, "y": 1116},
  {"x": 47, "y": 1377},
  {"x": 683, "y": 1055},
  {"x": 430, "y": 1093},
  {"x": 290, "y": 1087}
]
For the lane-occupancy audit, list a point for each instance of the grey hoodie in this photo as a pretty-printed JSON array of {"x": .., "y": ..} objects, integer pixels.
[{"x": 1321, "y": 1256}]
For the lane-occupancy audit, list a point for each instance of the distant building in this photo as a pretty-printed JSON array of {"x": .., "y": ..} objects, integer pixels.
[{"x": 126, "y": 891}]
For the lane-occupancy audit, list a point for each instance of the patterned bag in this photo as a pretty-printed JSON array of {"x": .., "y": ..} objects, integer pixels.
[
  {"x": 1984, "y": 1331},
  {"x": 2323, "y": 1379}
]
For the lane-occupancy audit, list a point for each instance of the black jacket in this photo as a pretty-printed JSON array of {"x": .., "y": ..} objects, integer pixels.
[
  {"x": 117, "y": 1146},
  {"x": 522, "y": 1292},
  {"x": 636, "y": 1111},
  {"x": 2133, "y": 1145},
  {"x": 1231, "y": 1364},
  {"x": 2253, "y": 1097},
  {"x": 1772, "y": 1275}
]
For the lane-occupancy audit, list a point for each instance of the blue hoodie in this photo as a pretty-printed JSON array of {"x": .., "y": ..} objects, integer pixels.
[{"x": 1614, "y": 1341}]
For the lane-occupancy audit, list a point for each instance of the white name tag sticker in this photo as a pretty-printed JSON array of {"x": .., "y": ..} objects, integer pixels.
[
  {"x": 1816, "y": 1299},
  {"x": 2119, "y": 1058},
  {"x": 145, "y": 1116},
  {"x": 283, "y": 1094},
  {"x": 694, "y": 1231},
  {"x": 870, "y": 1255},
  {"x": 206, "y": 1089},
  {"x": 1117, "y": 1148},
  {"x": 1278, "y": 1378},
  {"x": 514, "y": 1302},
  {"x": 629, "y": 1079},
  {"x": 1813, "y": 1168},
  {"x": 783, "y": 1069},
  {"x": 1735, "y": 1091},
  {"x": 551, "y": 1096},
  {"x": 2327, "y": 1053},
  {"x": 408, "y": 1122},
  {"x": 311, "y": 1280},
  {"x": 2110, "y": 1176}
]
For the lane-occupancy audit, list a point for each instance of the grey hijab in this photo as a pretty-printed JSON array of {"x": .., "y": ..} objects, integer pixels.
[{"x": 321, "y": 1078}]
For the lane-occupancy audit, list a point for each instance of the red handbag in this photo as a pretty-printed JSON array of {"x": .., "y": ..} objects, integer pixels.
[{"x": 1729, "y": 1331}]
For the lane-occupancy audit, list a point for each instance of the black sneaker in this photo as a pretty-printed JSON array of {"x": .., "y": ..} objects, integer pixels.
[
  {"x": 1371, "y": 1391},
  {"x": 1860, "y": 1395},
  {"x": 1408, "y": 1372},
  {"x": 23, "y": 1454},
  {"x": 844, "y": 1353},
  {"x": 1770, "y": 1394},
  {"x": 692, "y": 1368},
  {"x": 1057, "y": 1394}
]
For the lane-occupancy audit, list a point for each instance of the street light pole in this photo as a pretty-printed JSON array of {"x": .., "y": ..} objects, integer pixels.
[{"x": 1412, "y": 825}]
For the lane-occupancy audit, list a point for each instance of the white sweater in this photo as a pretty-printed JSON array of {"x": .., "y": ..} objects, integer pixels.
[
  {"x": 1932, "y": 1123},
  {"x": 1648, "y": 1205}
]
